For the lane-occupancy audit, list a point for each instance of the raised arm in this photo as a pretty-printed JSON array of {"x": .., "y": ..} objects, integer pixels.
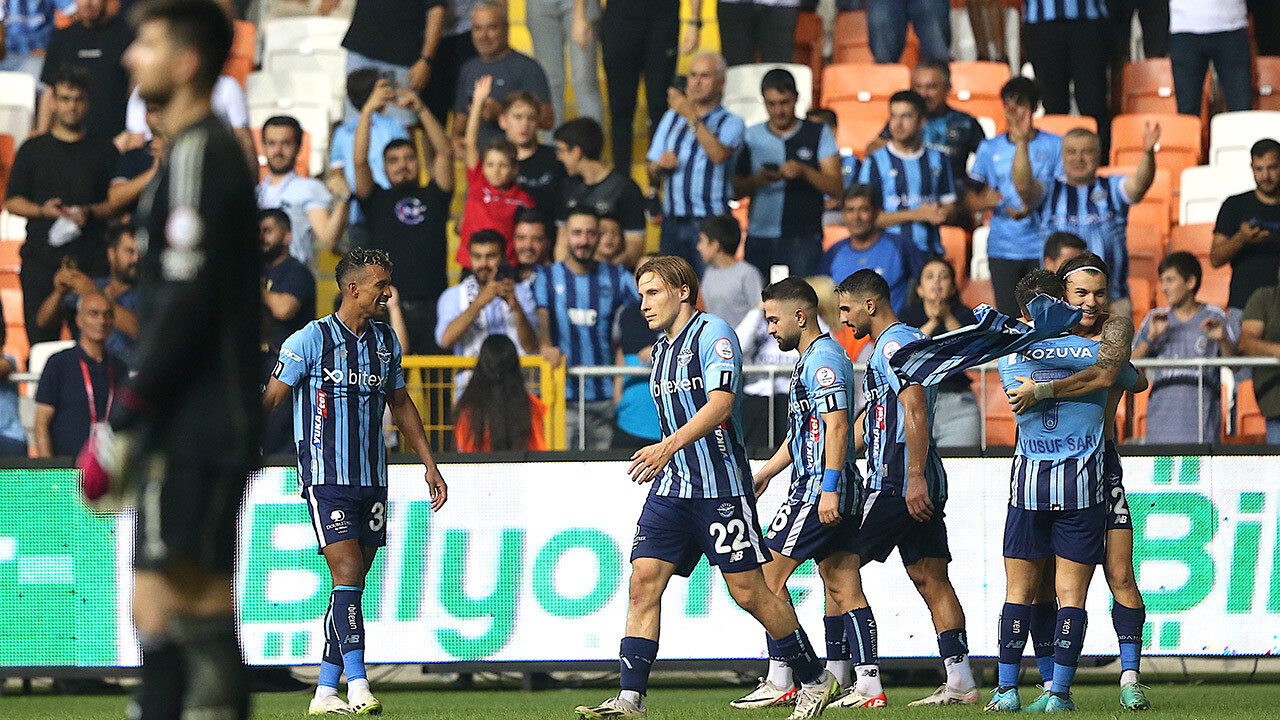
[
  {"x": 1029, "y": 188},
  {"x": 441, "y": 148},
  {"x": 381, "y": 95},
  {"x": 484, "y": 85},
  {"x": 1137, "y": 184}
]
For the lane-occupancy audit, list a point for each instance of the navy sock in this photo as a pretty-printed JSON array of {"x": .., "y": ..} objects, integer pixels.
[
  {"x": 1015, "y": 623},
  {"x": 331, "y": 661},
  {"x": 772, "y": 645},
  {"x": 1128, "y": 623},
  {"x": 217, "y": 683},
  {"x": 164, "y": 680},
  {"x": 1066, "y": 648},
  {"x": 837, "y": 639},
  {"x": 348, "y": 622},
  {"x": 860, "y": 625},
  {"x": 1044, "y": 623},
  {"x": 952, "y": 643},
  {"x": 636, "y": 656},
  {"x": 798, "y": 654}
]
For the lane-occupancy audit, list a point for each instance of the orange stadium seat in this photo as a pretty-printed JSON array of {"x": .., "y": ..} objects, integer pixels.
[
  {"x": 857, "y": 125},
  {"x": 864, "y": 82},
  {"x": 1159, "y": 196},
  {"x": 1251, "y": 426},
  {"x": 1181, "y": 142},
  {"x": 1195, "y": 239},
  {"x": 243, "y": 46},
  {"x": 1139, "y": 426},
  {"x": 978, "y": 292},
  {"x": 1215, "y": 286},
  {"x": 832, "y": 234},
  {"x": 1144, "y": 265},
  {"x": 1268, "y": 81},
  {"x": 1145, "y": 239},
  {"x": 1154, "y": 215},
  {"x": 852, "y": 38},
  {"x": 1061, "y": 124},
  {"x": 955, "y": 243},
  {"x": 1002, "y": 429},
  {"x": 1148, "y": 87},
  {"x": 972, "y": 80},
  {"x": 1140, "y": 292},
  {"x": 808, "y": 45},
  {"x": 15, "y": 343},
  {"x": 10, "y": 258},
  {"x": 6, "y": 161}
]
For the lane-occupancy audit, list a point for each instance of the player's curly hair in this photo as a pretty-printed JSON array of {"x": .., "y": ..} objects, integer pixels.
[
  {"x": 358, "y": 259},
  {"x": 1038, "y": 282}
]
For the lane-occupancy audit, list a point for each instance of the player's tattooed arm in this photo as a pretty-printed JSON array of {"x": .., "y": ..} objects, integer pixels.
[{"x": 1113, "y": 355}]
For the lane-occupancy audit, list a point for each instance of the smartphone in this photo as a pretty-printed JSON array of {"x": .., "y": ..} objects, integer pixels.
[
  {"x": 505, "y": 272},
  {"x": 681, "y": 83},
  {"x": 771, "y": 167}
]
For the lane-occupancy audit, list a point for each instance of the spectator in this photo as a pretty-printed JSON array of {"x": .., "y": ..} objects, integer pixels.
[
  {"x": 849, "y": 166},
  {"x": 78, "y": 384},
  {"x": 497, "y": 412},
  {"x": 230, "y": 104},
  {"x": 603, "y": 188},
  {"x": 408, "y": 219},
  {"x": 577, "y": 300},
  {"x": 493, "y": 195},
  {"x": 936, "y": 309},
  {"x": 533, "y": 249},
  {"x": 730, "y": 287},
  {"x": 764, "y": 398},
  {"x": 612, "y": 247},
  {"x": 917, "y": 190},
  {"x": 96, "y": 42},
  {"x": 896, "y": 258},
  {"x": 636, "y": 422},
  {"x": 541, "y": 173},
  {"x": 986, "y": 17},
  {"x": 119, "y": 286},
  {"x": 59, "y": 182},
  {"x": 560, "y": 25},
  {"x": 1153, "y": 17},
  {"x": 1247, "y": 233},
  {"x": 1266, "y": 14},
  {"x": 1260, "y": 337},
  {"x": 1083, "y": 203},
  {"x": 1016, "y": 240},
  {"x": 786, "y": 166},
  {"x": 137, "y": 166},
  {"x": 304, "y": 199},
  {"x": 1061, "y": 247},
  {"x": 1200, "y": 32},
  {"x": 25, "y": 30},
  {"x": 289, "y": 303},
  {"x": 453, "y": 51},
  {"x": 13, "y": 438},
  {"x": 398, "y": 39},
  {"x": 954, "y": 133},
  {"x": 1185, "y": 403},
  {"x": 1066, "y": 42},
  {"x": 487, "y": 302},
  {"x": 754, "y": 31},
  {"x": 511, "y": 71},
  {"x": 887, "y": 28},
  {"x": 641, "y": 37},
  {"x": 362, "y": 85},
  {"x": 690, "y": 157}
]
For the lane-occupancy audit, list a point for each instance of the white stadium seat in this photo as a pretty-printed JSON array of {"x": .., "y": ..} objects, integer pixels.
[
  {"x": 302, "y": 33},
  {"x": 328, "y": 62},
  {"x": 1204, "y": 187},
  {"x": 17, "y": 104},
  {"x": 742, "y": 90},
  {"x": 1231, "y": 135},
  {"x": 288, "y": 90}
]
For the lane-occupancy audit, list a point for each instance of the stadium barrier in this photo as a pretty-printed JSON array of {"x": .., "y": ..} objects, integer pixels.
[
  {"x": 528, "y": 563},
  {"x": 579, "y": 375}
]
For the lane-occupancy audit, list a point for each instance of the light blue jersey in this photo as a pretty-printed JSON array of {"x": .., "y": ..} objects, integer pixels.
[
  {"x": 822, "y": 382},
  {"x": 703, "y": 357},
  {"x": 1058, "y": 461},
  {"x": 341, "y": 382},
  {"x": 1015, "y": 239},
  {"x": 885, "y": 422}
]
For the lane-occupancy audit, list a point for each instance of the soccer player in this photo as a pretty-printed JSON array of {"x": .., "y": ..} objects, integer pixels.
[
  {"x": 1056, "y": 508},
  {"x": 1085, "y": 278},
  {"x": 905, "y": 477},
  {"x": 701, "y": 502},
  {"x": 343, "y": 371},
  {"x": 818, "y": 520},
  {"x": 183, "y": 431}
]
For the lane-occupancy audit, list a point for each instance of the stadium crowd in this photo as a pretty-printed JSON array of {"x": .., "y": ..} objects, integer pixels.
[{"x": 448, "y": 135}]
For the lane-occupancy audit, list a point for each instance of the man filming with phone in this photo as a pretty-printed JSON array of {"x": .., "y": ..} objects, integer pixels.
[{"x": 690, "y": 156}]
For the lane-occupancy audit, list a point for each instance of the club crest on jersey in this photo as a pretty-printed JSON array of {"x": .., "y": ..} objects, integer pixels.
[
  {"x": 1098, "y": 196},
  {"x": 825, "y": 376},
  {"x": 724, "y": 348},
  {"x": 683, "y": 358},
  {"x": 890, "y": 348},
  {"x": 384, "y": 354},
  {"x": 804, "y": 153},
  {"x": 725, "y": 510}
]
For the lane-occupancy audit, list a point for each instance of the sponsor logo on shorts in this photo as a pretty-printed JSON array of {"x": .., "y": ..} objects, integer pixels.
[
  {"x": 725, "y": 510},
  {"x": 337, "y": 516}
]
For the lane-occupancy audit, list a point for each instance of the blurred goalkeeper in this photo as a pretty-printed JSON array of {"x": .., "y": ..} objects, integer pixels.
[{"x": 181, "y": 437}]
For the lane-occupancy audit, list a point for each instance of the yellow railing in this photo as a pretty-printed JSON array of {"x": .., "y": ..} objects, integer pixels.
[{"x": 429, "y": 380}]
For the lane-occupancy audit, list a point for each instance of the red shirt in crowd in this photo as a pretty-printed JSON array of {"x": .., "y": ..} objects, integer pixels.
[{"x": 490, "y": 208}]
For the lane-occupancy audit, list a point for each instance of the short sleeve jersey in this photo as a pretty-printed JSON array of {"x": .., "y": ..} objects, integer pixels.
[
  {"x": 703, "y": 357},
  {"x": 1099, "y": 214},
  {"x": 885, "y": 422},
  {"x": 907, "y": 181},
  {"x": 581, "y": 309},
  {"x": 341, "y": 382},
  {"x": 1012, "y": 239},
  {"x": 821, "y": 383}
]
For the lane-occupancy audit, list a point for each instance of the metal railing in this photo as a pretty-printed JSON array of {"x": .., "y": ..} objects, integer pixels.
[{"x": 579, "y": 375}]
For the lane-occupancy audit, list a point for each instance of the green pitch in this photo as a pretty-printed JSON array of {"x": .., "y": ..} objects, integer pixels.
[{"x": 1096, "y": 702}]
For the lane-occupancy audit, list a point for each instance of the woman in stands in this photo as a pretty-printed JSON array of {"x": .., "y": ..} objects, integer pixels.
[{"x": 495, "y": 411}]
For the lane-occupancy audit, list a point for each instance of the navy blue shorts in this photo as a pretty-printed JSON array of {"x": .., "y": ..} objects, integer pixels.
[
  {"x": 682, "y": 530},
  {"x": 1113, "y": 487},
  {"x": 1077, "y": 535},
  {"x": 346, "y": 512},
  {"x": 797, "y": 533},
  {"x": 886, "y": 525}
]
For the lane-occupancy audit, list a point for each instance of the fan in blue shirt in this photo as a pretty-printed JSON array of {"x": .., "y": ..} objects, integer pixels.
[{"x": 894, "y": 257}]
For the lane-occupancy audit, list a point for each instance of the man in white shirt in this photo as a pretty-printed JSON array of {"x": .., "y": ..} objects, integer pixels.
[
  {"x": 229, "y": 103},
  {"x": 316, "y": 225}
]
